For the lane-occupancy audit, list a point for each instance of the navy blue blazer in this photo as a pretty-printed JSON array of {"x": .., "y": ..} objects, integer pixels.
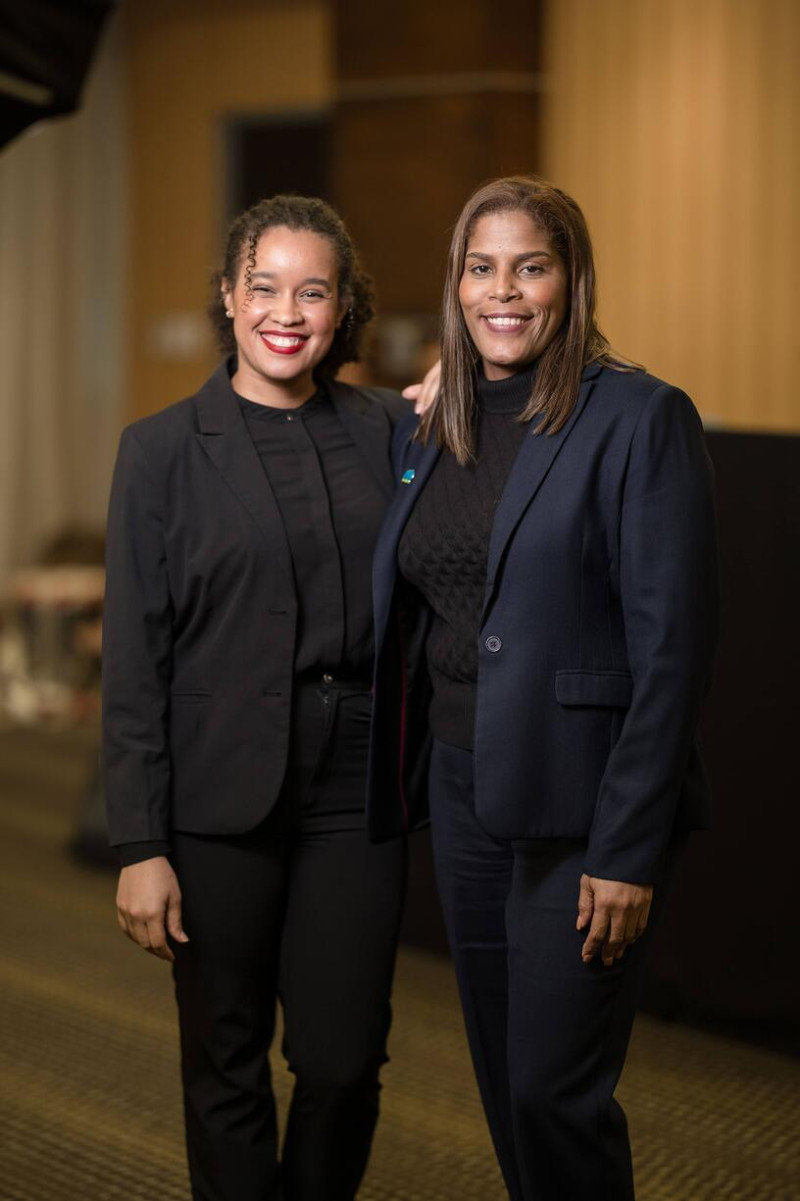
[{"x": 596, "y": 639}]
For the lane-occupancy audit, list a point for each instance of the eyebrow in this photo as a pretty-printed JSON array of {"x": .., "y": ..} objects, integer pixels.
[
  {"x": 312, "y": 279},
  {"x": 529, "y": 254}
]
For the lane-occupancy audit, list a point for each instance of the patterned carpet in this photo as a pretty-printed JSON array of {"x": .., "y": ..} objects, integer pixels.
[{"x": 89, "y": 1101}]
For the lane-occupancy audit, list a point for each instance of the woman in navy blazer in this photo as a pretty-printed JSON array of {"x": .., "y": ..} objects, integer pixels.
[{"x": 546, "y": 611}]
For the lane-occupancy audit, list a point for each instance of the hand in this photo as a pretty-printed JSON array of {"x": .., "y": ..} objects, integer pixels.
[
  {"x": 618, "y": 915},
  {"x": 424, "y": 394},
  {"x": 149, "y": 905}
]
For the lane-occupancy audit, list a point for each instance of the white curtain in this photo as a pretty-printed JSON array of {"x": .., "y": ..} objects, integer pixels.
[{"x": 62, "y": 245}]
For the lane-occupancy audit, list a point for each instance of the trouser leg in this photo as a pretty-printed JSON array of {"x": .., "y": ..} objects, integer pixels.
[
  {"x": 226, "y": 986},
  {"x": 342, "y": 919},
  {"x": 473, "y": 874},
  {"x": 569, "y": 1024},
  {"x": 548, "y": 1034}
]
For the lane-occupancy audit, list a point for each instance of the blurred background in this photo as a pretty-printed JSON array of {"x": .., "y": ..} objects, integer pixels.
[{"x": 134, "y": 132}]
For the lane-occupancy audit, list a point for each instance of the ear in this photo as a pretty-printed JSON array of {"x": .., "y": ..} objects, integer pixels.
[
  {"x": 344, "y": 305},
  {"x": 226, "y": 292}
]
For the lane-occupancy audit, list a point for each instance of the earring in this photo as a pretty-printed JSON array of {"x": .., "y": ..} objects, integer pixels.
[{"x": 229, "y": 312}]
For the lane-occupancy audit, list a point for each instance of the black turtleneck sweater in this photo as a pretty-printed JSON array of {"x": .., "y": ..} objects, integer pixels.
[{"x": 444, "y": 550}]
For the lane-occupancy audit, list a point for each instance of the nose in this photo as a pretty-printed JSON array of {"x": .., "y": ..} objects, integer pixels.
[
  {"x": 284, "y": 309},
  {"x": 505, "y": 287}
]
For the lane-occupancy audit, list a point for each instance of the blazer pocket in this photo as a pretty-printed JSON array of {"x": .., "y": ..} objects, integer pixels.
[
  {"x": 610, "y": 689},
  {"x": 191, "y": 694}
]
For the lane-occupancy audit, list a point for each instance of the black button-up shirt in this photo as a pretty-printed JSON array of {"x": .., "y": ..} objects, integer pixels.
[{"x": 332, "y": 508}]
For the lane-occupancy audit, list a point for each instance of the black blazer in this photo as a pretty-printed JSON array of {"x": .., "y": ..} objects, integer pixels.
[
  {"x": 596, "y": 640},
  {"x": 201, "y": 612}
]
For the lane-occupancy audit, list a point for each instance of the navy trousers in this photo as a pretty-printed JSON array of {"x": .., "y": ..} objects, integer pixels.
[
  {"x": 547, "y": 1033},
  {"x": 306, "y": 910}
]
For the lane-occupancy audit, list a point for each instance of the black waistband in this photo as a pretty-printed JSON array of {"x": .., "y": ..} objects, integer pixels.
[{"x": 332, "y": 679}]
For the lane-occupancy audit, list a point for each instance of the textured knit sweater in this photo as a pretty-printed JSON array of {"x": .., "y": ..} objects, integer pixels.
[{"x": 444, "y": 550}]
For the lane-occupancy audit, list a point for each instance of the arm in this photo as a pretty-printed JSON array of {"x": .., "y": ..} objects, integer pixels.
[
  {"x": 137, "y": 667},
  {"x": 668, "y": 591},
  {"x": 669, "y": 596}
]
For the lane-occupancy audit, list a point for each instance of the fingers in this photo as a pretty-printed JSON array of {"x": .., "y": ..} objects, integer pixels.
[
  {"x": 424, "y": 394},
  {"x": 585, "y": 903},
  {"x": 149, "y": 905},
  {"x": 642, "y": 918},
  {"x": 596, "y": 936},
  {"x": 147, "y": 932},
  {"x": 618, "y": 919},
  {"x": 174, "y": 923},
  {"x": 617, "y": 939},
  {"x": 157, "y": 934}
]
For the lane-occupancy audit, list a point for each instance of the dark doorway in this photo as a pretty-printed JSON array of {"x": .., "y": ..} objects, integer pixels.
[{"x": 277, "y": 153}]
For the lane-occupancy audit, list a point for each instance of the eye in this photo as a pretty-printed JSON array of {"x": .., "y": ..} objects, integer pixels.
[
  {"x": 264, "y": 289},
  {"x": 533, "y": 269},
  {"x": 314, "y": 294},
  {"x": 479, "y": 269}
]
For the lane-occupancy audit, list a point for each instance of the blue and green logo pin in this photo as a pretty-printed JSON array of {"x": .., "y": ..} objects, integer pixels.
[{"x": 408, "y": 476}]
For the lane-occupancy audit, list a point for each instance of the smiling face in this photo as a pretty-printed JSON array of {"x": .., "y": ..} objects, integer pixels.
[
  {"x": 513, "y": 291},
  {"x": 285, "y": 314}
]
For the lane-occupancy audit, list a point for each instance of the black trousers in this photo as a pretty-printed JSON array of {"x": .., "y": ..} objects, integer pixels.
[
  {"x": 306, "y": 910},
  {"x": 547, "y": 1033}
]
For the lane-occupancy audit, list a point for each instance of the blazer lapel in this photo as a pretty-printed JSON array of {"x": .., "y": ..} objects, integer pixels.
[
  {"x": 225, "y": 439},
  {"x": 369, "y": 427},
  {"x": 417, "y": 463},
  {"x": 535, "y": 458}
]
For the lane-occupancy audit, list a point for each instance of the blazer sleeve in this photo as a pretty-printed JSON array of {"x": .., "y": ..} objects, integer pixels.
[
  {"x": 668, "y": 583},
  {"x": 137, "y": 655}
]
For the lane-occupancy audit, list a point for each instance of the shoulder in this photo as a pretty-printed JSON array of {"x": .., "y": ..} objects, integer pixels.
[
  {"x": 172, "y": 421},
  {"x": 357, "y": 396},
  {"x": 210, "y": 409},
  {"x": 640, "y": 396},
  {"x": 154, "y": 441},
  {"x": 404, "y": 431},
  {"x": 160, "y": 439}
]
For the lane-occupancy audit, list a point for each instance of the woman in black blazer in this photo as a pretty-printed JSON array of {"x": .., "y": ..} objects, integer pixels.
[
  {"x": 237, "y": 667},
  {"x": 546, "y": 597}
]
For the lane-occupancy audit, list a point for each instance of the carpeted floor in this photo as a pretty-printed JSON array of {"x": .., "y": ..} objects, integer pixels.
[{"x": 89, "y": 1100}]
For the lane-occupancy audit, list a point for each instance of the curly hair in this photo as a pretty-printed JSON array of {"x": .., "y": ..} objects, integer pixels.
[{"x": 297, "y": 213}]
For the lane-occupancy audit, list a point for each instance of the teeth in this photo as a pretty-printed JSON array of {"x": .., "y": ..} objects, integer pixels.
[
  {"x": 505, "y": 322},
  {"x": 284, "y": 342}
]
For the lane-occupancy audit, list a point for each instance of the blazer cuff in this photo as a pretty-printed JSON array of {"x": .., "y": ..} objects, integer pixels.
[{"x": 137, "y": 852}]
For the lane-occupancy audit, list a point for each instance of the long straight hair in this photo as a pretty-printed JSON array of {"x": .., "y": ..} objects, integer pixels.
[{"x": 451, "y": 417}]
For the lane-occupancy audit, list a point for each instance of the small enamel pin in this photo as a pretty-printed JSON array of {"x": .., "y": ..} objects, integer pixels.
[{"x": 408, "y": 476}]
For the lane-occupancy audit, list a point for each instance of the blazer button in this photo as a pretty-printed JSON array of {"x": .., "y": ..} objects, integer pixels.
[{"x": 494, "y": 644}]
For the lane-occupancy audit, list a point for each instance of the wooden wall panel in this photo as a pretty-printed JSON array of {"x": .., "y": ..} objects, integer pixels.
[
  {"x": 190, "y": 66},
  {"x": 676, "y": 125},
  {"x": 390, "y": 38},
  {"x": 431, "y": 101},
  {"x": 402, "y": 171}
]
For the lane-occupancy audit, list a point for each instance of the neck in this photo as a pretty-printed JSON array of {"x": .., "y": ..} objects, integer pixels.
[
  {"x": 278, "y": 394},
  {"x": 510, "y": 394}
]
